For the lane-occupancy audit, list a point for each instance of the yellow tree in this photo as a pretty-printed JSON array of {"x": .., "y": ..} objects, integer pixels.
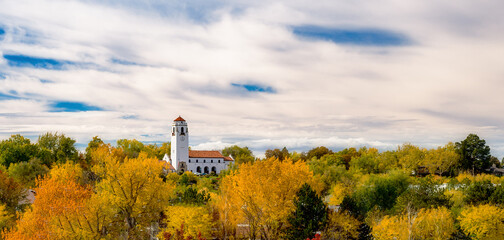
[
  {"x": 341, "y": 225},
  {"x": 409, "y": 156},
  {"x": 440, "y": 160},
  {"x": 392, "y": 227},
  {"x": 433, "y": 224},
  {"x": 483, "y": 222},
  {"x": 195, "y": 220},
  {"x": 59, "y": 198},
  {"x": 264, "y": 191},
  {"x": 133, "y": 190}
]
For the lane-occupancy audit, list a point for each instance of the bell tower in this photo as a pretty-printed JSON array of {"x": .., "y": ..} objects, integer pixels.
[{"x": 179, "y": 144}]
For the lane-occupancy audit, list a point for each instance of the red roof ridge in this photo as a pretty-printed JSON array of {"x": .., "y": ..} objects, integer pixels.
[{"x": 179, "y": 119}]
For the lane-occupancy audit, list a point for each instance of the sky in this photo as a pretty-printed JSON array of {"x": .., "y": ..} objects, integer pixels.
[{"x": 262, "y": 74}]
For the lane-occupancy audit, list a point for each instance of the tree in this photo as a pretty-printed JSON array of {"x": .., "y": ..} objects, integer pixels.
[
  {"x": 57, "y": 148},
  {"x": 341, "y": 226},
  {"x": 309, "y": 216},
  {"x": 483, "y": 222},
  {"x": 262, "y": 193},
  {"x": 59, "y": 199},
  {"x": 378, "y": 191},
  {"x": 95, "y": 143},
  {"x": 26, "y": 172},
  {"x": 131, "y": 148},
  {"x": 409, "y": 156},
  {"x": 134, "y": 190},
  {"x": 474, "y": 153},
  {"x": 318, "y": 152},
  {"x": 239, "y": 154},
  {"x": 11, "y": 192},
  {"x": 434, "y": 224},
  {"x": 277, "y": 153},
  {"x": 479, "y": 192},
  {"x": 425, "y": 193},
  {"x": 196, "y": 220},
  {"x": 442, "y": 159},
  {"x": 16, "y": 149}
]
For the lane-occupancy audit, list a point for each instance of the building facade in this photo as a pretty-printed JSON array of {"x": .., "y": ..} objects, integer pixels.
[{"x": 196, "y": 161}]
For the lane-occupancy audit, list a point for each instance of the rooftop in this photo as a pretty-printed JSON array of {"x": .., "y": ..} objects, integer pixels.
[
  {"x": 204, "y": 154},
  {"x": 179, "y": 119}
]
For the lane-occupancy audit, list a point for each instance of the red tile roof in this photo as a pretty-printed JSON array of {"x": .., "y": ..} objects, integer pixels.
[
  {"x": 228, "y": 159},
  {"x": 179, "y": 119},
  {"x": 205, "y": 154}
]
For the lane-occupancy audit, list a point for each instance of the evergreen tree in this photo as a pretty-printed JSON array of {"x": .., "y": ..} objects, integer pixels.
[
  {"x": 474, "y": 152},
  {"x": 310, "y": 215}
]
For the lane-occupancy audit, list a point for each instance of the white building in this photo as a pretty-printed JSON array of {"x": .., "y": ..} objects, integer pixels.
[{"x": 199, "y": 162}]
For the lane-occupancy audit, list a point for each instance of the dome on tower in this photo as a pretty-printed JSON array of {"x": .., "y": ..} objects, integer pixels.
[{"x": 179, "y": 119}]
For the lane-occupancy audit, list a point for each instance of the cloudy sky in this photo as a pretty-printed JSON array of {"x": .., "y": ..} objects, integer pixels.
[{"x": 262, "y": 74}]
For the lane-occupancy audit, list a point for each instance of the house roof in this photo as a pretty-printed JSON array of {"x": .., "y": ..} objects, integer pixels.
[
  {"x": 204, "y": 154},
  {"x": 179, "y": 119},
  {"x": 167, "y": 165},
  {"x": 228, "y": 159}
]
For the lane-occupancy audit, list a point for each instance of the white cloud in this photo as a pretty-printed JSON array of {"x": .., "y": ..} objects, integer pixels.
[{"x": 438, "y": 89}]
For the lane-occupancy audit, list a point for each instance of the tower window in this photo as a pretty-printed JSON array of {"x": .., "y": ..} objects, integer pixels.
[{"x": 182, "y": 129}]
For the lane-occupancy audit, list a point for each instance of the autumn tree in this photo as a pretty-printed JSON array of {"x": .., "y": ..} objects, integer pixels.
[
  {"x": 474, "y": 153},
  {"x": 433, "y": 224},
  {"x": 263, "y": 193},
  {"x": 59, "y": 198},
  {"x": 442, "y": 159},
  {"x": 134, "y": 189},
  {"x": 341, "y": 226},
  {"x": 196, "y": 220},
  {"x": 483, "y": 222},
  {"x": 95, "y": 143},
  {"x": 429, "y": 224},
  {"x": 309, "y": 216}
]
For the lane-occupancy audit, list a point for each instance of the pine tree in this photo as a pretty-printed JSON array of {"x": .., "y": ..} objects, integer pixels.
[{"x": 310, "y": 215}]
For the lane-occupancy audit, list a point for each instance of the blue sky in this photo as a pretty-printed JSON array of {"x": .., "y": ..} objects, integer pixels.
[{"x": 258, "y": 73}]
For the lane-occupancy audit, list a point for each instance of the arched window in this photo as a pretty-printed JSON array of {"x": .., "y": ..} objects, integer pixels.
[
  {"x": 214, "y": 169},
  {"x": 211, "y": 161},
  {"x": 219, "y": 161},
  {"x": 204, "y": 161},
  {"x": 206, "y": 170},
  {"x": 189, "y": 160},
  {"x": 182, "y": 129},
  {"x": 198, "y": 169},
  {"x": 196, "y": 161}
]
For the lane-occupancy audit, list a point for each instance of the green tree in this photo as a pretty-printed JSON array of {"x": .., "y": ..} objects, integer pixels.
[
  {"x": 475, "y": 154},
  {"x": 309, "y": 216},
  {"x": 425, "y": 193},
  {"x": 239, "y": 154},
  {"x": 26, "y": 172},
  {"x": 380, "y": 191},
  {"x": 16, "y": 149},
  {"x": 130, "y": 147},
  {"x": 57, "y": 148},
  {"x": 479, "y": 192}
]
